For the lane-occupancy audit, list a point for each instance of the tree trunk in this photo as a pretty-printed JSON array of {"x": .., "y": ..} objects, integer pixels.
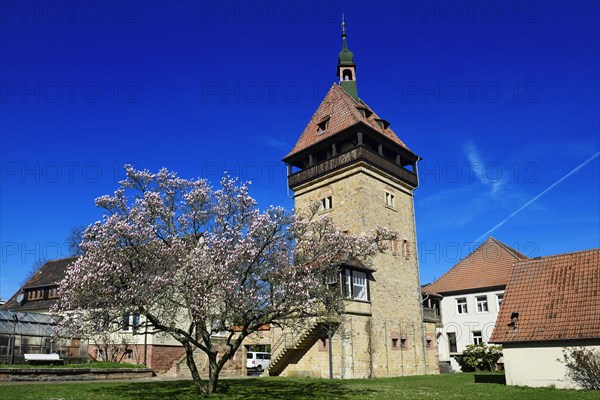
[
  {"x": 200, "y": 387},
  {"x": 213, "y": 375}
]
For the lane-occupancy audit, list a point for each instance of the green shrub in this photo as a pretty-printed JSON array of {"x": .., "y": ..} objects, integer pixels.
[{"x": 479, "y": 357}]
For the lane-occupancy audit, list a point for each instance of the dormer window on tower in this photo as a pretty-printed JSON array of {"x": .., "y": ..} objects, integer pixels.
[
  {"x": 365, "y": 112},
  {"x": 322, "y": 125},
  {"x": 383, "y": 124}
]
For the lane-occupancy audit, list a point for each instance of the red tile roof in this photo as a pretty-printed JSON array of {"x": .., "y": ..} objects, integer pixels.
[
  {"x": 342, "y": 111},
  {"x": 487, "y": 266},
  {"x": 556, "y": 298},
  {"x": 49, "y": 274}
]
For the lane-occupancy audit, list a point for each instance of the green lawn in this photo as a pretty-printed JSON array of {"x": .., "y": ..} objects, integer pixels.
[{"x": 447, "y": 387}]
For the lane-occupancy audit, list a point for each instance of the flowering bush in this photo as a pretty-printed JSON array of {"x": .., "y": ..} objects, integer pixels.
[{"x": 479, "y": 357}]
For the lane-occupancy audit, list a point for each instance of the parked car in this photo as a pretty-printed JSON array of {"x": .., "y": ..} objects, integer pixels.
[{"x": 258, "y": 361}]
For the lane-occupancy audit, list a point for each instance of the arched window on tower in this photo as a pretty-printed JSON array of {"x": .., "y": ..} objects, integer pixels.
[{"x": 347, "y": 75}]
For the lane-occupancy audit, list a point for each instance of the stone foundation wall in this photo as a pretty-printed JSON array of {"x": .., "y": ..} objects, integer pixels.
[
  {"x": 159, "y": 358},
  {"x": 162, "y": 358}
]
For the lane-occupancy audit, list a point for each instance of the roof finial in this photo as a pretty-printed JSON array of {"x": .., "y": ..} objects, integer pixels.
[{"x": 346, "y": 67}]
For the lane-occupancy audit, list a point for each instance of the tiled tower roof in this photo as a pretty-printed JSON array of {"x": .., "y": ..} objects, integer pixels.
[{"x": 342, "y": 112}]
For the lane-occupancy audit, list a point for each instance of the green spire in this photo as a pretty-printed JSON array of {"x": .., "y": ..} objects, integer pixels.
[
  {"x": 346, "y": 68},
  {"x": 346, "y": 57}
]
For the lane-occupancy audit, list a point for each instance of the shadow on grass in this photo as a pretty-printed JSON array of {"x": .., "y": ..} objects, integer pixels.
[
  {"x": 269, "y": 388},
  {"x": 291, "y": 389},
  {"x": 149, "y": 390},
  {"x": 490, "y": 378}
]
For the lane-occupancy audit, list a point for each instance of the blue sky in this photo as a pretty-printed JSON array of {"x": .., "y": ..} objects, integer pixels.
[{"x": 501, "y": 99}]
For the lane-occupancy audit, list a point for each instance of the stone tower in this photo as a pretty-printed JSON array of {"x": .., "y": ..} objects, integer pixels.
[{"x": 362, "y": 175}]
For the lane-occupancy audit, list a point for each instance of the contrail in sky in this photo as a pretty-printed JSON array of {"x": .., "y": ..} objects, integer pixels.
[{"x": 577, "y": 168}]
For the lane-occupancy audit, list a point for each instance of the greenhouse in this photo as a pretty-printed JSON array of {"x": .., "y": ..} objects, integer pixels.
[{"x": 31, "y": 333}]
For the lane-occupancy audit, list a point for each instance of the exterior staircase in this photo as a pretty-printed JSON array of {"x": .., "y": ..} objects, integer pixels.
[{"x": 292, "y": 345}]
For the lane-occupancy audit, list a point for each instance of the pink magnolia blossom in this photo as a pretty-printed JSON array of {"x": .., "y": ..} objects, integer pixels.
[{"x": 196, "y": 261}]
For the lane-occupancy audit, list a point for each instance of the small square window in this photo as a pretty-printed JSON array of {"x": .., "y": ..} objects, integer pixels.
[
  {"x": 326, "y": 203},
  {"x": 461, "y": 305},
  {"x": 394, "y": 343},
  {"x": 390, "y": 200},
  {"x": 403, "y": 343}
]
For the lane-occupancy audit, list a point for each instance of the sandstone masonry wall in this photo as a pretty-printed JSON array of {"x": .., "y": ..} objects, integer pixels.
[{"x": 384, "y": 338}]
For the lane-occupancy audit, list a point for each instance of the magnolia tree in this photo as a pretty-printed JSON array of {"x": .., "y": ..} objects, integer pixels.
[{"x": 196, "y": 261}]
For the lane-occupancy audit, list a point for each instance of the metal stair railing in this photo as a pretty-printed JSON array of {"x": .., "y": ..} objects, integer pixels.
[{"x": 290, "y": 341}]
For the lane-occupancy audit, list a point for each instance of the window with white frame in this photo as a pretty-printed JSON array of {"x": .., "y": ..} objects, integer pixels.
[
  {"x": 477, "y": 337},
  {"x": 131, "y": 321},
  {"x": 461, "y": 305},
  {"x": 482, "y": 304},
  {"x": 499, "y": 298},
  {"x": 390, "y": 200},
  {"x": 326, "y": 203},
  {"x": 355, "y": 284}
]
